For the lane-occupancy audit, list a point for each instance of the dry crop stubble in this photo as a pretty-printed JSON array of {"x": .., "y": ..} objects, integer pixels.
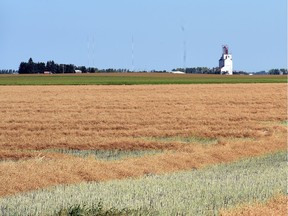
[
  {"x": 244, "y": 119},
  {"x": 192, "y": 192},
  {"x": 91, "y": 117},
  {"x": 276, "y": 206}
]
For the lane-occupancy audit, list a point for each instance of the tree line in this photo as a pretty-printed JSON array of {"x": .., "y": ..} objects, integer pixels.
[
  {"x": 205, "y": 70},
  {"x": 278, "y": 71},
  {"x": 32, "y": 67},
  {"x": 216, "y": 70},
  {"x": 8, "y": 71},
  {"x": 199, "y": 70}
]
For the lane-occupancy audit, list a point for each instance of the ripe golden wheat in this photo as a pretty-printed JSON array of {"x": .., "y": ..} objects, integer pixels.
[{"x": 243, "y": 120}]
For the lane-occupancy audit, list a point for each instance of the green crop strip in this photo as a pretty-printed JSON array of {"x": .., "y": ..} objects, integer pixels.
[
  {"x": 132, "y": 79},
  {"x": 197, "y": 192},
  {"x": 100, "y": 210}
]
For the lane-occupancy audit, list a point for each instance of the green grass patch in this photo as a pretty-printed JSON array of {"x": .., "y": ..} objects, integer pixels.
[
  {"x": 184, "y": 140},
  {"x": 100, "y": 210},
  {"x": 197, "y": 192},
  {"x": 133, "y": 79},
  {"x": 106, "y": 154}
]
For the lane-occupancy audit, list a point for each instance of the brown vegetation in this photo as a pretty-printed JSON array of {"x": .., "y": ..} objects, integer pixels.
[
  {"x": 245, "y": 119},
  {"x": 277, "y": 206}
]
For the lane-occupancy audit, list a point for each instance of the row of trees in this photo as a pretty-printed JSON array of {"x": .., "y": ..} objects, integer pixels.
[
  {"x": 8, "y": 71},
  {"x": 278, "y": 71},
  {"x": 199, "y": 70},
  {"x": 216, "y": 70},
  {"x": 31, "y": 67}
]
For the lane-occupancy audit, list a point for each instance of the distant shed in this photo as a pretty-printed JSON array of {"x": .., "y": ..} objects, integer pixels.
[{"x": 178, "y": 72}]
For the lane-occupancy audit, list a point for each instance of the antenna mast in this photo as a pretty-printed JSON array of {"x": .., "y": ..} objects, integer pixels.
[
  {"x": 184, "y": 48},
  {"x": 132, "y": 53},
  {"x": 93, "y": 51},
  {"x": 88, "y": 51}
]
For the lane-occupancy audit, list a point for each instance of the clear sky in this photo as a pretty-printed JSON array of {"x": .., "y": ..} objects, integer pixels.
[{"x": 99, "y": 33}]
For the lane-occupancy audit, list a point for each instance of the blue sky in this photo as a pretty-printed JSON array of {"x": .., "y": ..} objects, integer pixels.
[{"x": 99, "y": 33}]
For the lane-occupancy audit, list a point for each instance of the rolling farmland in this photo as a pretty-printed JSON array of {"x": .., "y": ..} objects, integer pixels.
[{"x": 123, "y": 136}]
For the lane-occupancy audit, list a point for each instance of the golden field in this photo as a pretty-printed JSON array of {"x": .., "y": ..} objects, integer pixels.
[
  {"x": 276, "y": 206},
  {"x": 243, "y": 120},
  {"x": 192, "y": 125}
]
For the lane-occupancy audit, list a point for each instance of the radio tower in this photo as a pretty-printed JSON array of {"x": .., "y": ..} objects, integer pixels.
[
  {"x": 132, "y": 54},
  {"x": 184, "y": 49}
]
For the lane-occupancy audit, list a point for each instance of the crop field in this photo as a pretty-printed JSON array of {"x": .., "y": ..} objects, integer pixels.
[
  {"x": 200, "y": 192},
  {"x": 134, "y": 79},
  {"x": 217, "y": 149}
]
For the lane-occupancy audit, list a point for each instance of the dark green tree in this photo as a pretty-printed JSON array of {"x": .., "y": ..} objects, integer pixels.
[
  {"x": 30, "y": 66},
  {"x": 51, "y": 66},
  {"x": 22, "y": 68}
]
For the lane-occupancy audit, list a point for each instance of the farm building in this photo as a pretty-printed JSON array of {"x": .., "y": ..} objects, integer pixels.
[
  {"x": 225, "y": 62},
  {"x": 178, "y": 72}
]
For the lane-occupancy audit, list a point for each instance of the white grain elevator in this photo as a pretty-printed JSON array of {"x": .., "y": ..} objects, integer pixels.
[{"x": 225, "y": 62}]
